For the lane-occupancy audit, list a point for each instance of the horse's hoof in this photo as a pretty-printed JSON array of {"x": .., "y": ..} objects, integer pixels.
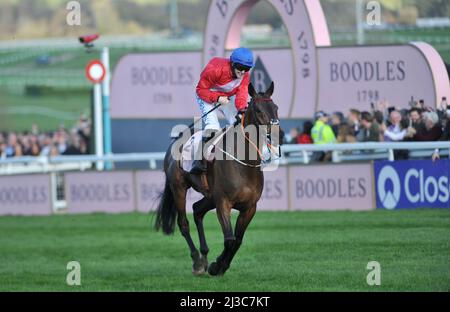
[
  {"x": 200, "y": 265},
  {"x": 204, "y": 262},
  {"x": 198, "y": 272},
  {"x": 215, "y": 269}
]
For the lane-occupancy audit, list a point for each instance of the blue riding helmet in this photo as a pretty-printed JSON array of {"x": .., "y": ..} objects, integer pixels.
[{"x": 242, "y": 56}]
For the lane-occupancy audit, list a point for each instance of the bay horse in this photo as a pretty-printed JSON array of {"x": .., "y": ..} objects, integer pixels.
[{"x": 233, "y": 183}]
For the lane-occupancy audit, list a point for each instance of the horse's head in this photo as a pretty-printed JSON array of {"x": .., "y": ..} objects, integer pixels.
[{"x": 262, "y": 111}]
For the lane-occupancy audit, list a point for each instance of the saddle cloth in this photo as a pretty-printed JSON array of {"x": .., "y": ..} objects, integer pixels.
[
  {"x": 190, "y": 148},
  {"x": 193, "y": 143}
]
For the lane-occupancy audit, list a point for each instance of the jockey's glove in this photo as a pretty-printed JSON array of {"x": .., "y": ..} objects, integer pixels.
[{"x": 223, "y": 100}]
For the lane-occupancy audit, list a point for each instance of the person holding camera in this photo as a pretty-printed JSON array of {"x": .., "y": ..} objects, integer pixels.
[{"x": 444, "y": 114}]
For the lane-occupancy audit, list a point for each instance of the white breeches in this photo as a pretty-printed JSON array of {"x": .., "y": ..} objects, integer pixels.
[{"x": 211, "y": 121}]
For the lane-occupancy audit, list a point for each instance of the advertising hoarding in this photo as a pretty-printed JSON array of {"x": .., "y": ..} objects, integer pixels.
[
  {"x": 111, "y": 192},
  {"x": 331, "y": 187},
  {"x": 25, "y": 195},
  {"x": 412, "y": 184}
]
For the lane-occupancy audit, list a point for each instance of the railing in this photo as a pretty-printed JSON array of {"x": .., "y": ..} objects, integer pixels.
[
  {"x": 55, "y": 166},
  {"x": 302, "y": 153},
  {"x": 43, "y": 164},
  {"x": 291, "y": 154}
]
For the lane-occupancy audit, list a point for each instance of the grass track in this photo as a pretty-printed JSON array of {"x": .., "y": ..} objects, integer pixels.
[{"x": 282, "y": 251}]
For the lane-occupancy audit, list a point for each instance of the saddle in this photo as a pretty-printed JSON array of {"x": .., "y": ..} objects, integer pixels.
[{"x": 189, "y": 151}]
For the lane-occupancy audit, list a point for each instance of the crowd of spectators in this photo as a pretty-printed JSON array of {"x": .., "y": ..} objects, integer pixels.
[
  {"x": 52, "y": 143},
  {"x": 384, "y": 123}
]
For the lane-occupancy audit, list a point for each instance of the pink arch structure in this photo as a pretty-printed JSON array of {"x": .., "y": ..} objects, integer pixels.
[{"x": 307, "y": 29}]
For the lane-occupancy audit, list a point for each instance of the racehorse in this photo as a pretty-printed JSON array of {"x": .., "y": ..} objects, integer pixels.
[{"x": 233, "y": 183}]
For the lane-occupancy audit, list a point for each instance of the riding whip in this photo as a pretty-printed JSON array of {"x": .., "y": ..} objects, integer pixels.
[{"x": 213, "y": 109}]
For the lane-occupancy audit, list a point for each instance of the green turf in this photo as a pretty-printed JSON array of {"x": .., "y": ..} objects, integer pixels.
[
  {"x": 282, "y": 251},
  {"x": 48, "y": 112}
]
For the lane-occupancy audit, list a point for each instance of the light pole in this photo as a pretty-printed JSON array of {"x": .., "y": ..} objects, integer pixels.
[
  {"x": 105, "y": 98},
  {"x": 95, "y": 72},
  {"x": 359, "y": 11},
  {"x": 174, "y": 16}
]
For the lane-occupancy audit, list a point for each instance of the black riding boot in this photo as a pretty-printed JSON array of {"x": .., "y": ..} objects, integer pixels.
[{"x": 199, "y": 166}]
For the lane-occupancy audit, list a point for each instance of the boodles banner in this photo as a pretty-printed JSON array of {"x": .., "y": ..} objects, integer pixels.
[{"x": 309, "y": 76}]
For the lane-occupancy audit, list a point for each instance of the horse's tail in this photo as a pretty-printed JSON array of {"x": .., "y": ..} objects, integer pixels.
[{"x": 166, "y": 211}]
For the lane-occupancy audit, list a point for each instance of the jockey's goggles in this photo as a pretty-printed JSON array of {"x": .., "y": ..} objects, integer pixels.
[{"x": 241, "y": 67}]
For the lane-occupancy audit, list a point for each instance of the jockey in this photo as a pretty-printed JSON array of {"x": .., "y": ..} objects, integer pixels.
[{"x": 223, "y": 81}]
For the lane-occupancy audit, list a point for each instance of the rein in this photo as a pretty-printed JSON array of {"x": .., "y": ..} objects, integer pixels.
[{"x": 252, "y": 143}]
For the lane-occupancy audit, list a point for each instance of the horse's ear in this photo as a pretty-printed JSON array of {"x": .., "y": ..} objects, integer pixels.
[
  {"x": 251, "y": 90},
  {"x": 269, "y": 91}
]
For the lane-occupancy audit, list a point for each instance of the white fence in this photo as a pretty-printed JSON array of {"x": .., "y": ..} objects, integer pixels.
[
  {"x": 291, "y": 154},
  {"x": 301, "y": 153}
]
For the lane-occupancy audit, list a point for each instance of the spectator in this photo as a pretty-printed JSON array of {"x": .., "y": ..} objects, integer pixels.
[
  {"x": 370, "y": 128},
  {"x": 378, "y": 117},
  {"x": 353, "y": 120},
  {"x": 46, "y": 143},
  {"x": 445, "y": 132},
  {"x": 416, "y": 119},
  {"x": 74, "y": 147},
  {"x": 33, "y": 143},
  {"x": 421, "y": 104},
  {"x": 336, "y": 120},
  {"x": 446, "y": 127},
  {"x": 35, "y": 149},
  {"x": 60, "y": 137},
  {"x": 2, "y": 150},
  {"x": 433, "y": 130},
  {"x": 54, "y": 151},
  {"x": 305, "y": 136},
  {"x": 291, "y": 137},
  {"x": 346, "y": 134},
  {"x": 34, "y": 129},
  {"x": 26, "y": 144},
  {"x": 13, "y": 148},
  {"x": 321, "y": 133},
  {"x": 395, "y": 133}
]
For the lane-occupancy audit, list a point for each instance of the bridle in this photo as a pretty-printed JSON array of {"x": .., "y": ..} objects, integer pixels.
[{"x": 273, "y": 122}]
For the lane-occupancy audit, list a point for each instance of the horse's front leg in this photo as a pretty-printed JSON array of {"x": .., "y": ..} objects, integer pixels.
[
  {"x": 232, "y": 245},
  {"x": 242, "y": 222},
  {"x": 224, "y": 215}
]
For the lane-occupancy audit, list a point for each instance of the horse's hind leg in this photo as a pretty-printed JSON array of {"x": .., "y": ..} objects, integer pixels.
[
  {"x": 183, "y": 224},
  {"x": 200, "y": 209}
]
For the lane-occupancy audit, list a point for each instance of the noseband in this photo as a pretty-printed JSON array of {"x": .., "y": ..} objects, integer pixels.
[{"x": 272, "y": 123}]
